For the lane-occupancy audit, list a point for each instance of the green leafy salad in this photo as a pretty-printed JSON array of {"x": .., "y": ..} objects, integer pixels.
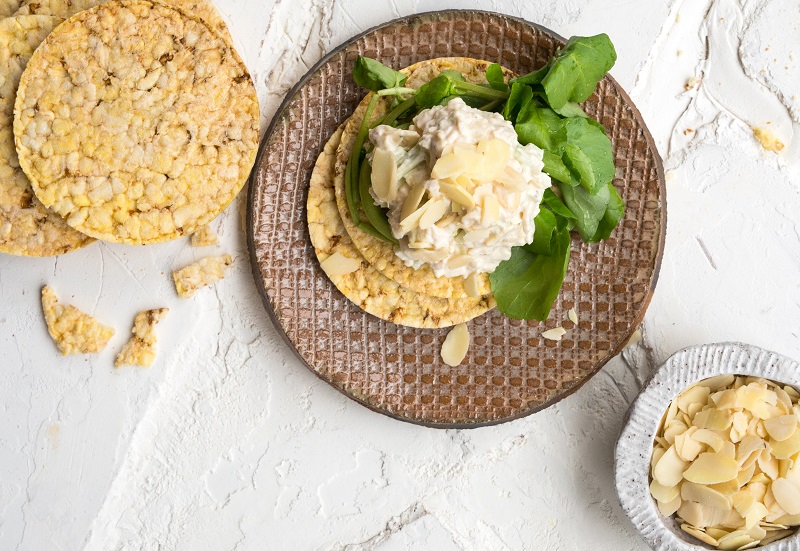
[{"x": 544, "y": 109}]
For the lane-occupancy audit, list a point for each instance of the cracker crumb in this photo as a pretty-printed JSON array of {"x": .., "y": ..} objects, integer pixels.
[
  {"x": 204, "y": 237},
  {"x": 202, "y": 273},
  {"x": 140, "y": 349},
  {"x": 73, "y": 331},
  {"x": 768, "y": 140}
]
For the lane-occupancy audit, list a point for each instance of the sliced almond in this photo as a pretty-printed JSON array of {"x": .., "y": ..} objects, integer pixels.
[
  {"x": 456, "y": 345},
  {"x": 688, "y": 449},
  {"x": 716, "y": 533},
  {"x": 419, "y": 245},
  {"x": 412, "y": 201},
  {"x": 745, "y": 475},
  {"x": 476, "y": 236},
  {"x": 743, "y": 501},
  {"x": 787, "y": 494},
  {"x": 712, "y": 468},
  {"x": 435, "y": 211},
  {"x": 447, "y": 220},
  {"x": 781, "y": 428},
  {"x": 471, "y": 286},
  {"x": 490, "y": 211},
  {"x": 511, "y": 179},
  {"x": 713, "y": 419},
  {"x": 496, "y": 154},
  {"x": 411, "y": 221},
  {"x": 787, "y": 448},
  {"x": 698, "y": 534},
  {"x": 692, "y": 513},
  {"x": 754, "y": 515},
  {"x": 431, "y": 255},
  {"x": 457, "y": 194},
  {"x": 664, "y": 494},
  {"x": 693, "y": 395},
  {"x": 768, "y": 464},
  {"x": 718, "y": 382},
  {"x": 459, "y": 261},
  {"x": 735, "y": 540},
  {"x": 573, "y": 316},
  {"x": 750, "y": 445},
  {"x": 669, "y": 470},
  {"x": 669, "y": 509},
  {"x": 710, "y": 438},
  {"x": 384, "y": 175},
  {"x": 554, "y": 334},
  {"x": 447, "y": 166},
  {"x": 705, "y": 496},
  {"x": 338, "y": 265}
]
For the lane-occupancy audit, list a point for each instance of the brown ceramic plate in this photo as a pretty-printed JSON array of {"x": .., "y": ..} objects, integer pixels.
[{"x": 510, "y": 371}]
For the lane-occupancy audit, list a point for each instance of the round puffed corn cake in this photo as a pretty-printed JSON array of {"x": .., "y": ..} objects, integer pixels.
[
  {"x": 136, "y": 121},
  {"x": 26, "y": 227}
]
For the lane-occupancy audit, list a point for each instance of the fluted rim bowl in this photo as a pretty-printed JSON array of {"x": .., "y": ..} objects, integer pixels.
[{"x": 635, "y": 444}]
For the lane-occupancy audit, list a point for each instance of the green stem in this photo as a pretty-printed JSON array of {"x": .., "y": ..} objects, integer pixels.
[
  {"x": 351, "y": 169},
  {"x": 491, "y": 105},
  {"x": 395, "y": 91},
  {"x": 395, "y": 113},
  {"x": 469, "y": 88}
]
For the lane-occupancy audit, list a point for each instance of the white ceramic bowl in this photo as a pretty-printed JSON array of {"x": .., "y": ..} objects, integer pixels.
[{"x": 635, "y": 444}]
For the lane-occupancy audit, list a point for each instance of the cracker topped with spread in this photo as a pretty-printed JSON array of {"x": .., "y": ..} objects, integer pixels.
[
  {"x": 136, "y": 122},
  {"x": 357, "y": 279},
  {"x": 26, "y": 226}
]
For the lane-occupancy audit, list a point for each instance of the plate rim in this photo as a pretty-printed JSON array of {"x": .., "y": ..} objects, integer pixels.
[{"x": 278, "y": 116}]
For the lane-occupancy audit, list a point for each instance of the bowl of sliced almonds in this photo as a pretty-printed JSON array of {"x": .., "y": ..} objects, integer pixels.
[{"x": 709, "y": 457}]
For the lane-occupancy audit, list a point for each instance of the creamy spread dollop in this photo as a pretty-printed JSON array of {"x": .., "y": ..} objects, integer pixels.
[{"x": 460, "y": 189}]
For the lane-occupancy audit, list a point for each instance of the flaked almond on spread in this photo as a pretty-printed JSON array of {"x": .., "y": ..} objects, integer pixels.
[{"x": 726, "y": 461}]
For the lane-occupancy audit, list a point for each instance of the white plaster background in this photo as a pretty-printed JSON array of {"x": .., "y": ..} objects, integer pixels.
[{"x": 227, "y": 442}]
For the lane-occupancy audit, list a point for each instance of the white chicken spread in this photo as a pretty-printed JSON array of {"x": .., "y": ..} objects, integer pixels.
[{"x": 460, "y": 189}]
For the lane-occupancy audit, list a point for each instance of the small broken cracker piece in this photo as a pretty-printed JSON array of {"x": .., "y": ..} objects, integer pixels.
[
  {"x": 200, "y": 274},
  {"x": 767, "y": 139},
  {"x": 140, "y": 349},
  {"x": 204, "y": 237},
  {"x": 73, "y": 331}
]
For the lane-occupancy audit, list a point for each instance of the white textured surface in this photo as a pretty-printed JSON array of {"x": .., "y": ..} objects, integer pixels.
[
  {"x": 228, "y": 443},
  {"x": 635, "y": 445}
]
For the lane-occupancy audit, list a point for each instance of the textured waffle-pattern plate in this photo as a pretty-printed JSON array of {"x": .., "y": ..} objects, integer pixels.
[
  {"x": 510, "y": 370},
  {"x": 635, "y": 444}
]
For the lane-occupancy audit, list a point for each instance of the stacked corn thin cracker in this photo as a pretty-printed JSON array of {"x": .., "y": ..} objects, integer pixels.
[{"x": 133, "y": 122}]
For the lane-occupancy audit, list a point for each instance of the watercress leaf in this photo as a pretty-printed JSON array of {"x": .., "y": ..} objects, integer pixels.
[
  {"x": 542, "y": 127},
  {"x": 588, "y": 154},
  {"x": 588, "y": 209},
  {"x": 434, "y": 91},
  {"x": 453, "y": 75},
  {"x": 553, "y": 202},
  {"x": 526, "y": 285},
  {"x": 577, "y": 69},
  {"x": 374, "y": 75},
  {"x": 613, "y": 214},
  {"x": 495, "y": 77},
  {"x": 555, "y": 167},
  {"x": 534, "y": 77},
  {"x": 543, "y": 238},
  {"x": 571, "y": 109},
  {"x": 520, "y": 96}
]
